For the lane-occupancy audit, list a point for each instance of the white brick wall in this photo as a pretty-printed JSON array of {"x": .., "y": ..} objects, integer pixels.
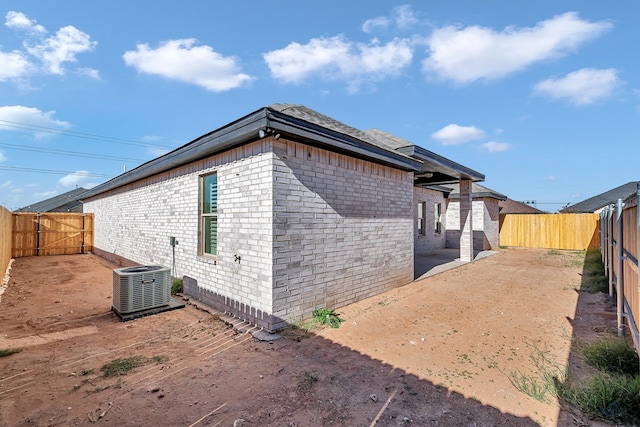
[
  {"x": 431, "y": 240},
  {"x": 343, "y": 229},
  {"x": 486, "y": 233},
  {"x": 312, "y": 228},
  {"x": 135, "y": 223}
]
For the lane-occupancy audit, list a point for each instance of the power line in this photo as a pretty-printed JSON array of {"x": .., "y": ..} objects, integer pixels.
[
  {"x": 54, "y": 172},
  {"x": 68, "y": 153},
  {"x": 46, "y": 129}
]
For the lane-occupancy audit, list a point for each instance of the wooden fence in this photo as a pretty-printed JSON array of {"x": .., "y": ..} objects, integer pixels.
[
  {"x": 5, "y": 240},
  {"x": 550, "y": 231},
  {"x": 51, "y": 233},
  {"x": 619, "y": 248}
]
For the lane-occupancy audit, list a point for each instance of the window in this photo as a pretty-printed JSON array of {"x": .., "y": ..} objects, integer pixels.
[
  {"x": 421, "y": 218},
  {"x": 437, "y": 223},
  {"x": 209, "y": 214}
]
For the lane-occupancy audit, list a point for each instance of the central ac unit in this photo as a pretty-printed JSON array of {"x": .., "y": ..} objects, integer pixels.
[{"x": 140, "y": 288}]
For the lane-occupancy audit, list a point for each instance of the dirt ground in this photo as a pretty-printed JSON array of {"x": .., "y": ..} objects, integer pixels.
[{"x": 436, "y": 352}]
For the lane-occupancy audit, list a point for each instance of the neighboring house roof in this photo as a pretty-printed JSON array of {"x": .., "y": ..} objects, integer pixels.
[
  {"x": 513, "y": 207},
  {"x": 477, "y": 190},
  {"x": 299, "y": 123},
  {"x": 595, "y": 203},
  {"x": 61, "y": 203}
]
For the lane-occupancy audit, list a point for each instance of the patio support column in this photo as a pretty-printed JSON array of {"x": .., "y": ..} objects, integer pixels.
[{"x": 466, "y": 221}]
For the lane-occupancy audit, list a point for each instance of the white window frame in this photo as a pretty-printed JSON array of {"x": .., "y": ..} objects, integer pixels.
[
  {"x": 422, "y": 218},
  {"x": 437, "y": 218},
  {"x": 204, "y": 217}
]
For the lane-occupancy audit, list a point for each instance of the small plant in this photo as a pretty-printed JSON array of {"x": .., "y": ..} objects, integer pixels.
[
  {"x": 545, "y": 380},
  {"x": 4, "y": 352},
  {"x": 327, "y": 316},
  {"x": 612, "y": 355},
  {"x": 607, "y": 397},
  {"x": 119, "y": 367},
  {"x": 176, "y": 286},
  {"x": 593, "y": 278},
  {"x": 160, "y": 358}
]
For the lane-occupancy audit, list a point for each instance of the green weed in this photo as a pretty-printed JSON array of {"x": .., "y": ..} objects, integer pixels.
[
  {"x": 176, "y": 286},
  {"x": 593, "y": 278},
  {"x": 4, "y": 352},
  {"x": 327, "y": 316},
  {"x": 613, "y": 398},
  {"x": 612, "y": 355},
  {"x": 543, "y": 382},
  {"x": 123, "y": 366}
]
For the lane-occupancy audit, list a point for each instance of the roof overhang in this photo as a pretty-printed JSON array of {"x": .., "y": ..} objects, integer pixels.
[
  {"x": 437, "y": 169},
  {"x": 247, "y": 129}
]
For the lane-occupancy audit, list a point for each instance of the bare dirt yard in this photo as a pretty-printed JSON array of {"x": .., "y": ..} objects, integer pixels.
[{"x": 440, "y": 351}]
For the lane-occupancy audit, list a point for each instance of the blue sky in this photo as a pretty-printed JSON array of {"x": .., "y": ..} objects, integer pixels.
[{"x": 542, "y": 97}]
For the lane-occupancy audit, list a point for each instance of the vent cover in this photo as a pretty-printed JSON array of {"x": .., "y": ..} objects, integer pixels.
[{"x": 140, "y": 288}]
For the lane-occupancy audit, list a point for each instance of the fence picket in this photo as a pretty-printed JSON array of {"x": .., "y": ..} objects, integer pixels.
[{"x": 550, "y": 231}]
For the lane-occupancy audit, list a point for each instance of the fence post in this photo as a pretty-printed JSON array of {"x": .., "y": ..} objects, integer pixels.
[
  {"x": 38, "y": 235},
  {"x": 637, "y": 340},
  {"x": 619, "y": 259},
  {"x": 610, "y": 248}
]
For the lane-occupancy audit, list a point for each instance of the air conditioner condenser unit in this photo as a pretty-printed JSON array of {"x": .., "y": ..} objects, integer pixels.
[{"x": 141, "y": 288}]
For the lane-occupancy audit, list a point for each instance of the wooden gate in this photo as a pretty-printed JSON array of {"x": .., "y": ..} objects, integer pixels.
[{"x": 51, "y": 233}]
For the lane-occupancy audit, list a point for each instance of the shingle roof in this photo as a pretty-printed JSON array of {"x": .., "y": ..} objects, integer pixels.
[
  {"x": 514, "y": 207},
  {"x": 601, "y": 200},
  {"x": 299, "y": 123},
  {"x": 55, "y": 202}
]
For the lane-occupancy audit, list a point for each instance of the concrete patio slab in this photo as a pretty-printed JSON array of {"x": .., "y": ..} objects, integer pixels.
[{"x": 440, "y": 260}]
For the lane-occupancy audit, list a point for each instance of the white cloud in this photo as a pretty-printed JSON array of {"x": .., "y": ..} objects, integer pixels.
[
  {"x": 63, "y": 47},
  {"x": 551, "y": 178},
  {"x": 184, "y": 61},
  {"x": 464, "y": 55},
  {"x": 337, "y": 58},
  {"x": 3, "y": 158},
  {"x": 495, "y": 147},
  {"x": 581, "y": 87},
  {"x": 403, "y": 16},
  {"x": 20, "y": 118},
  {"x": 454, "y": 134},
  {"x": 157, "y": 152},
  {"x": 6, "y": 184},
  {"x": 77, "y": 179},
  {"x": 53, "y": 51},
  {"x": 89, "y": 72},
  {"x": 372, "y": 24},
  {"x": 19, "y": 21},
  {"x": 13, "y": 65}
]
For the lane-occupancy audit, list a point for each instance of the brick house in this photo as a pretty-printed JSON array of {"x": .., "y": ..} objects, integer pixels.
[
  {"x": 486, "y": 212},
  {"x": 282, "y": 211}
]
